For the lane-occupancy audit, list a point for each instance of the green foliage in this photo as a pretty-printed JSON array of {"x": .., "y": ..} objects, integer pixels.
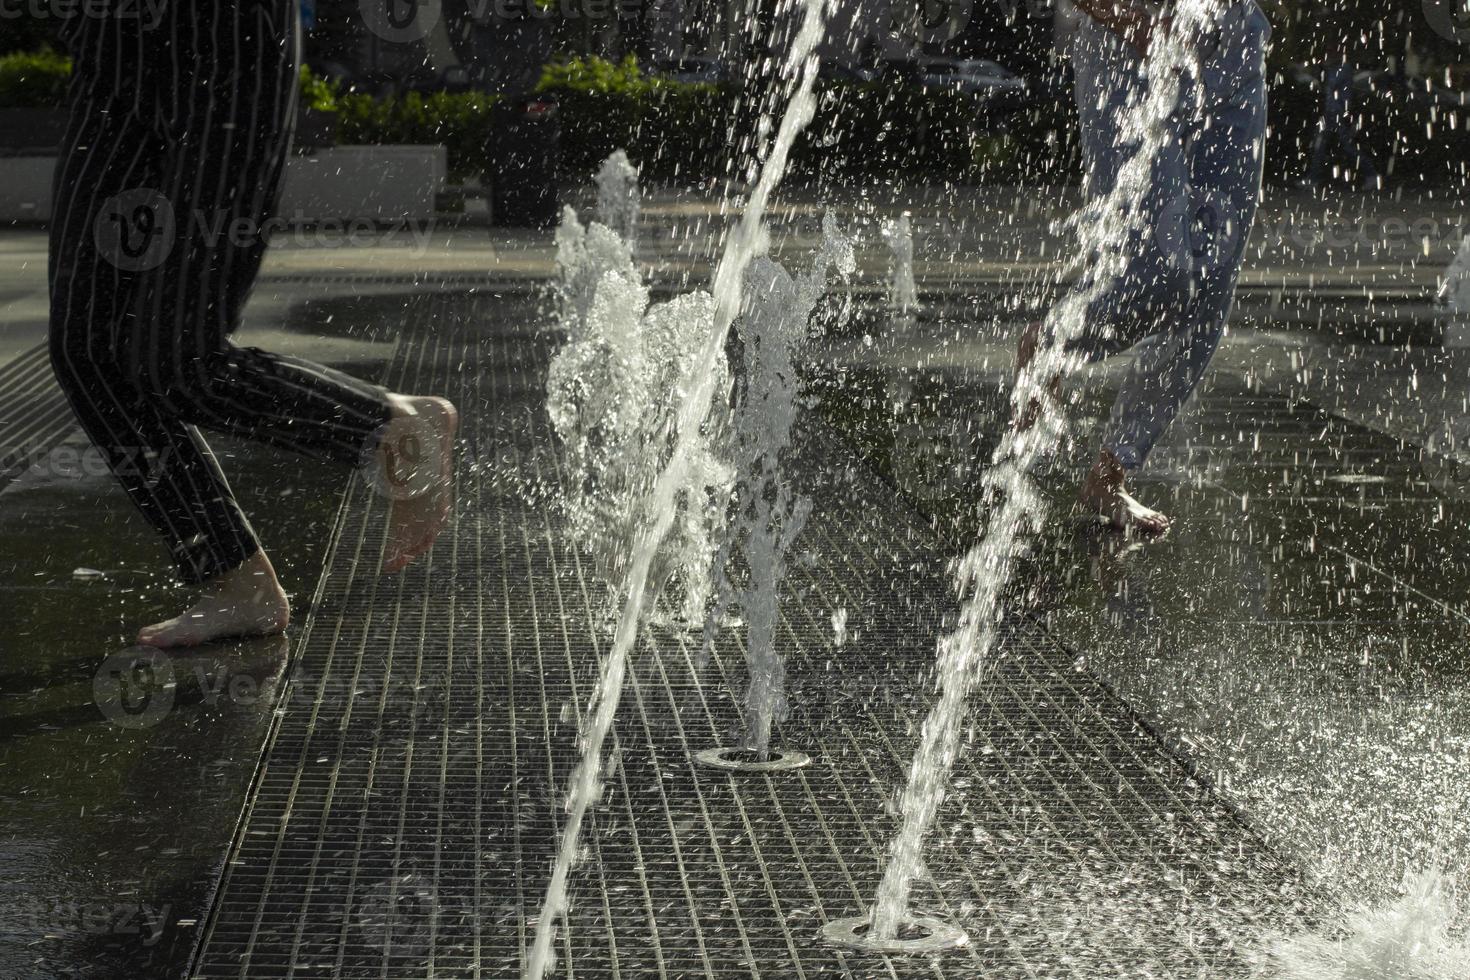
[
  {"x": 906, "y": 135},
  {"x": 28, "y": 33},
  {"x": 34, "y": 79},
  {"x": 460, "y": 121},
  {"x": 686, "y": 132},
  {"x": 863, "y": 133},
  {"x": 594, "y": 74},
  {"x": 318, "y": 93},
  {"x": 676, "y": 131}
]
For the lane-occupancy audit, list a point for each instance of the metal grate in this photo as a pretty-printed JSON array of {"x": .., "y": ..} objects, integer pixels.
[
  {"x": 406, "y": 814},
  {"x": 34, "y": 415}
]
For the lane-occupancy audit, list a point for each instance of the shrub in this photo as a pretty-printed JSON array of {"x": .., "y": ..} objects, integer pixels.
[
  {"x": 317, "y": 93},
  {"x": 460, "y": 121},
  {"x": 594, "y": 74},
  {"x": 682, "y": 132},
  {"x": 863, "y": 132},
  {"x": 673, "y": 130},
  {"x": 34, "y": 79}
]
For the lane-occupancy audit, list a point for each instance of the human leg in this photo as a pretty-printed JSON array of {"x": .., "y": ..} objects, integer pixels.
[
  {"x": 157, "y": 243},
  {"x": 1134, "y": 300},
  {"x": 1153, "y": 286},
  {"x": 1226, "y": 158}
]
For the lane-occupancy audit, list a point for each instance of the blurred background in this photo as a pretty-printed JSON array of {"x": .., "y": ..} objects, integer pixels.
[{"x": 967, "y": 91}]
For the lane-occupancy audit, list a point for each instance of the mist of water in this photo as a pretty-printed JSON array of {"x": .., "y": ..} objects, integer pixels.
[
  {"x": 1412, "y": 938},
  {"x": 619, "y": 204},
  {"x": 608, "y": 399},
  {"x": 1454, "y": 296},
  {"x": 747, "y": 240},
  {"x": 903, "y": 292},
  {"x": 1103, "y": 230},
  {"x": 768, "y": 513}
]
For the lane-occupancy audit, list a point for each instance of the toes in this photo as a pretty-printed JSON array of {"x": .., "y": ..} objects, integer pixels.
[
  {"x": 154, "y": 636},
  {"x": 162, "y": 638}
]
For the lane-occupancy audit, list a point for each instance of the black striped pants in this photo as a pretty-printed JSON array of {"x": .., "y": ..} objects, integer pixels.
[{"x": 172, "y": 162}]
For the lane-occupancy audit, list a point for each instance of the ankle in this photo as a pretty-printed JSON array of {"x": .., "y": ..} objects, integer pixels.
[{"x": 255, "y": 575}]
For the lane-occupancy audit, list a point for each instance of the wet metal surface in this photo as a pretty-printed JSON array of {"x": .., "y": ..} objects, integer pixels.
[
  {"x": 406, "y": 817},
  {"x": 1301, "y": 632},
  {"x": 122, "y": 770},
  {"x": 34, "y": 416}
]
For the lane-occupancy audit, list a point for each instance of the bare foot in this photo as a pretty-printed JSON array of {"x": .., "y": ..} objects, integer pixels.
[
  {"x": 1105, "y": 492},
  {"x": 245, "y": 601},
  {"x": 416, "y": 469}
]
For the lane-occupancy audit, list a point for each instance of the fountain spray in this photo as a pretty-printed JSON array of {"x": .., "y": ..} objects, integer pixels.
[
  {"x": 607, "y": 396},
  {"x": 768, "y": 515},
  {"x": 748, "y": 239},
  {"x": 1411, "y": 938},
  {"x": 1102, "y": 229},
  {"x": 903, "y": 293},
  {"x": 619, "y": 204},
  {"x": 1454, "y": 296}
]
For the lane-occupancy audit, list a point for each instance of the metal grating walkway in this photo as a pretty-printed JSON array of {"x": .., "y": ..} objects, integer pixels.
[
  {"x": 34, "y": 415},
  {"x": 405, "y": 816}
]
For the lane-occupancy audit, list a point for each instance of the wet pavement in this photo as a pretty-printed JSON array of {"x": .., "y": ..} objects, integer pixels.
[
  {"x": 124, "y": 771},
  {"x": 1301, "y": 632},
  {"x": 407, "y": 811},
  {"x": 1300, "y": 636}
]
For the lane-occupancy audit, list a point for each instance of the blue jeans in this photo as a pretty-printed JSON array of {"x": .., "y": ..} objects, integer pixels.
[
  {"x": 1338, "y": 129},
  {"x": 1173, "y": 300}
]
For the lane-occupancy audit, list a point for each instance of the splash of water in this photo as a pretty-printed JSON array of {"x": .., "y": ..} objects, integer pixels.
[
  {"x": 607, "y": 394},
  {"x": 748, "y": 239},
  {"x": 903, "y": 292},
  {"x": 584, "y": 258},
  {"x": 618, "y": 201},
  {"x": 1408, "y": 939},
  {"x": 1103, "y": 229},
  {"x": 768, "y": 515}
]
